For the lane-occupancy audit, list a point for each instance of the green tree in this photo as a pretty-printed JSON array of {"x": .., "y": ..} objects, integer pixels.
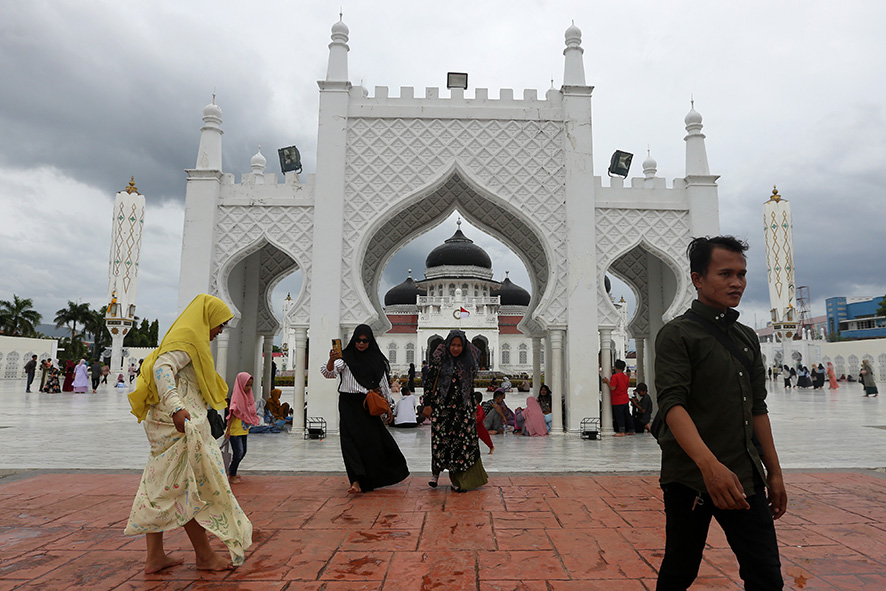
[
  {"x": 95, "y": 325},
  {"x": 881, "y": 311},
  {"x": 71, "y": 316},
  {"x": 18, "y": 317}
]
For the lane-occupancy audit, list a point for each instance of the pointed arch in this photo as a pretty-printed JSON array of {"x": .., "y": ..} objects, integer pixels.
[{"x": 427, "y": 207}]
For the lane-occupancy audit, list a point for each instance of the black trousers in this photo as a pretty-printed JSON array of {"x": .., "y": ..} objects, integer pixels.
[{"x": 750, "y": 533}]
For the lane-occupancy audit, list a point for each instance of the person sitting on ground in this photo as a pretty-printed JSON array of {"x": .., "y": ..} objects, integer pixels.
[
  {"x": 546, "y": 401},
  {"x": 405, "y": 410},
  {"x": 642, "y": 408},
  {"x": 482, "y": 433},
  {"x": 281, "y": 411},
  {"x": 534, "y": 424},
  {"x": 121, "y": 381},
  {"x": 496, "y": 420},
  {"x": 506, "y": 384},
  {"x": 524, "y": 386}
]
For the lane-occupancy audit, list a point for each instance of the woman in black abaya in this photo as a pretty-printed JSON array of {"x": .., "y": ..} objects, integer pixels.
[{"x": 372, "y": 458}]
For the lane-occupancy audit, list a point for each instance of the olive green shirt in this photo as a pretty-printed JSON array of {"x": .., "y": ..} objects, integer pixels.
[{"x": 695, "y": 371}]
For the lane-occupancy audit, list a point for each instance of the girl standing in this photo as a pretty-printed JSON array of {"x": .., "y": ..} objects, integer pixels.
[{"x": 241, "y": 416}]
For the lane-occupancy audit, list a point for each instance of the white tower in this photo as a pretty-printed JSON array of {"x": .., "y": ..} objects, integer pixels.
[
  {"x": 126, "y": 243},
  {"x": 779, "y": 235}
]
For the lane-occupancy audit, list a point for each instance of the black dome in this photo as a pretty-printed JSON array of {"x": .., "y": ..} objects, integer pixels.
[
  {"x": 458, "y": 250},
  {"x": 405, "y": 293},
  {"x": 512, "y": 294}
]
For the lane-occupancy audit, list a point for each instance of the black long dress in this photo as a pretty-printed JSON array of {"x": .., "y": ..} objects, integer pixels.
[{"x": 370, "y": 453}]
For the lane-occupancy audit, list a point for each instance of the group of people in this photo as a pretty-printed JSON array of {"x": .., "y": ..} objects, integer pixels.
[
  {"x": 802, "y": 377},
  {"x": 719, "y": 459},
  {"x": 75, "y": 377}
]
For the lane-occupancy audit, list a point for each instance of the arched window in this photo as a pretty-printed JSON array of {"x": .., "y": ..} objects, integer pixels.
[
  {"x": 524, "y": 355},
  {"x": 410, "y": 353},
  {"x": 452, "y": 290},
  {"x": 12, "y": 365},
  {"x": 392, "y": 352},
  {"x": 476, "y": 290},
  {"x": 505, "y": 354},
  {"x": 541, "y": 355},
  {"x": 431, "y": 291},
  {"x": 464, "y": 289}
]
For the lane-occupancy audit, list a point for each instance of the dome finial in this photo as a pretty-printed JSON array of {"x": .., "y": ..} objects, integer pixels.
[
  {"x": 131, "y": 188},
  {"x": 775, "y": 195},
  {"x": 458, "y": 222},
  {"x": 507, "y": 273},
  {"x": 409, "y": 274}
]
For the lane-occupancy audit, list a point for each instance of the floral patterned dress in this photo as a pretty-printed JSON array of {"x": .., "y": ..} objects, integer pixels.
[
  {"x": 454, "y": 442},
  {"x": 185, "y": 475}
]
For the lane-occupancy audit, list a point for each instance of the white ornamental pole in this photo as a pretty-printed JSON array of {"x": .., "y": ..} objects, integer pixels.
[
  {"x": 779, "y": 235},
  {"x": 126, "y": 240}
]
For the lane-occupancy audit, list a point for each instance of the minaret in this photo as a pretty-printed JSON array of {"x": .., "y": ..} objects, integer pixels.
[
  {"x": 202, "y": 193},
  {"x": 778, "y": 232},
  {"x": 701, "y": 185},
  {"x": 126, "y": 242},
  {"x": 574, "y": 69}
]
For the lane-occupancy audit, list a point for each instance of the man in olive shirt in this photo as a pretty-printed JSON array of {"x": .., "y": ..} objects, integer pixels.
[{"x": 716, "y": 436}]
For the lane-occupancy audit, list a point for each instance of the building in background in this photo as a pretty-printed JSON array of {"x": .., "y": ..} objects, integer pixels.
[{"x": 855, "y": 318}]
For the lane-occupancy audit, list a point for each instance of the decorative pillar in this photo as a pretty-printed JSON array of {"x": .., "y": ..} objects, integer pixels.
[
  {"x": 556, "y": 380},
  {"x": 267, "y": 359},
  {"x": 298, "y": 396},
  {"x": 221, "y": 353},
  {"x": 778, "y": 231},
  {"x": 126, "y": 241},
  {"x": 327, "y": 264},
  {"x": 536, "y": 364},
  {"x": 606, "y": 367},
  {"x": 640, "y": 345}
]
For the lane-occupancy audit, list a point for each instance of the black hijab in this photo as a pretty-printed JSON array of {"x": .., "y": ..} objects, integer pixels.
[
  {"x": 464, "y": 368},
  {"x": 369, "y": 367}
]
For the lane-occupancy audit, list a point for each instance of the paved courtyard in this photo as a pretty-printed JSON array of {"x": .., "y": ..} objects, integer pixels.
[{"x": 559, "y": 513}]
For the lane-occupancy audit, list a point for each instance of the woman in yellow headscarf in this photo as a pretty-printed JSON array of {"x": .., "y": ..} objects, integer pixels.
[{"x": 184, "y": 482}]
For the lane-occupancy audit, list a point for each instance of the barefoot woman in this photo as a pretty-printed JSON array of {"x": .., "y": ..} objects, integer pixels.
[
  {"x": 184, "y": 482},
  {"x": 372, "y": 458}
]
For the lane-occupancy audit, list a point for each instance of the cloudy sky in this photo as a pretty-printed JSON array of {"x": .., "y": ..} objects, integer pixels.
[{"x": 93, "y": 92}]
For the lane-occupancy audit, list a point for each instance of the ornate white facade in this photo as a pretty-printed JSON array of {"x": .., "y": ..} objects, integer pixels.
[{"x": 390, "y": 168}]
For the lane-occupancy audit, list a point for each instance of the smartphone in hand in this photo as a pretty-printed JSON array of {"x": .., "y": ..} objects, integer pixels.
[{"x": 336, "y": 344}]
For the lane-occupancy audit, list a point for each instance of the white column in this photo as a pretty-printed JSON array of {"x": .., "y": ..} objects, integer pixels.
[
  {"x": 536, "y": 364},
  {"x": 556, "y": 381},
  {"x": 116, "y": 361},
  {"x": 298, "y": 397},
  {"x": 606, "y": 362},
  {"x": 641, "y": 371},
  {"x": 267, "y": 358},
  {"x": 221, "y": 353}
]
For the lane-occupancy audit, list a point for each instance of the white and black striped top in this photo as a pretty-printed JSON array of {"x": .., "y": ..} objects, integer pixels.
[{"x": 349, "y": 383}]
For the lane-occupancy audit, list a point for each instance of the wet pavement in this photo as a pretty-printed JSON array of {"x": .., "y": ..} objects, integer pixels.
[{"x": 559, "y": 513}]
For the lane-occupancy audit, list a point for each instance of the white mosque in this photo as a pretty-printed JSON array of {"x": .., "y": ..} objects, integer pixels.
[{"x": 459, "y": 291}]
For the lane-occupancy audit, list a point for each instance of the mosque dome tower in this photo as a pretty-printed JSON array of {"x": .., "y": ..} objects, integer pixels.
[{"x": 458, "y": 251}]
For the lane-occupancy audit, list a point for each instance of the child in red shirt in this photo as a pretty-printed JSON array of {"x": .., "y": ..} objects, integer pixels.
[{"x": 621, "y": 408}]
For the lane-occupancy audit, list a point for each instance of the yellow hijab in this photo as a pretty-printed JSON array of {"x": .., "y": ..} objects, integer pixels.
[{"x": 189, "y": 333}]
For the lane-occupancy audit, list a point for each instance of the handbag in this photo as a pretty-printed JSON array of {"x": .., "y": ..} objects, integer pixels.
[
  {"x": 216, "y": 423},
  {"x": 226, "y": 454},
  {"x": 376, "y": 404}
]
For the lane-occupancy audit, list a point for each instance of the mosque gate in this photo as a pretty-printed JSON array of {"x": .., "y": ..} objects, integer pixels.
[{"x": 389, "y": 169}]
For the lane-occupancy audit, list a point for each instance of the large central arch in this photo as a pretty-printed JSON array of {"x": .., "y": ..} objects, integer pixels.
[{"x": 427, "y": 208}]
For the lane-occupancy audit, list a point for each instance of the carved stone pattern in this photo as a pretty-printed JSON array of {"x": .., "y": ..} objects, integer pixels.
[
  {"x": 665, "y": 229},
  {"x": 238, "y": 229},
  {"x": 882, "y": 362},
  {"x": 390, "y": 159}
]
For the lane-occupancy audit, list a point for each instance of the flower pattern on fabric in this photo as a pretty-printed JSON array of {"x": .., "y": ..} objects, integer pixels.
[
  {"x": 454, "y": 443},
  {"x": 185, "y": 477}
]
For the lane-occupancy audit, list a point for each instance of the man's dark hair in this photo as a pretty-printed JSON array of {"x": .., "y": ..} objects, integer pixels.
[
  {"x": 641, "y": 387},
  {"x": 619, "y": 364},
  {"x": 478, "y": 397},
  {"x": 700, "y": 249},
  {"x": 498, "y": 394}
]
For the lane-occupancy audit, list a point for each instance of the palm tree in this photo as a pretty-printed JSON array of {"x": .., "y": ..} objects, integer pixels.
[
  {"x": 73, "y": 315},
  {"x": 95, "y": 325},
  {"x": 18, "y": 317}
]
